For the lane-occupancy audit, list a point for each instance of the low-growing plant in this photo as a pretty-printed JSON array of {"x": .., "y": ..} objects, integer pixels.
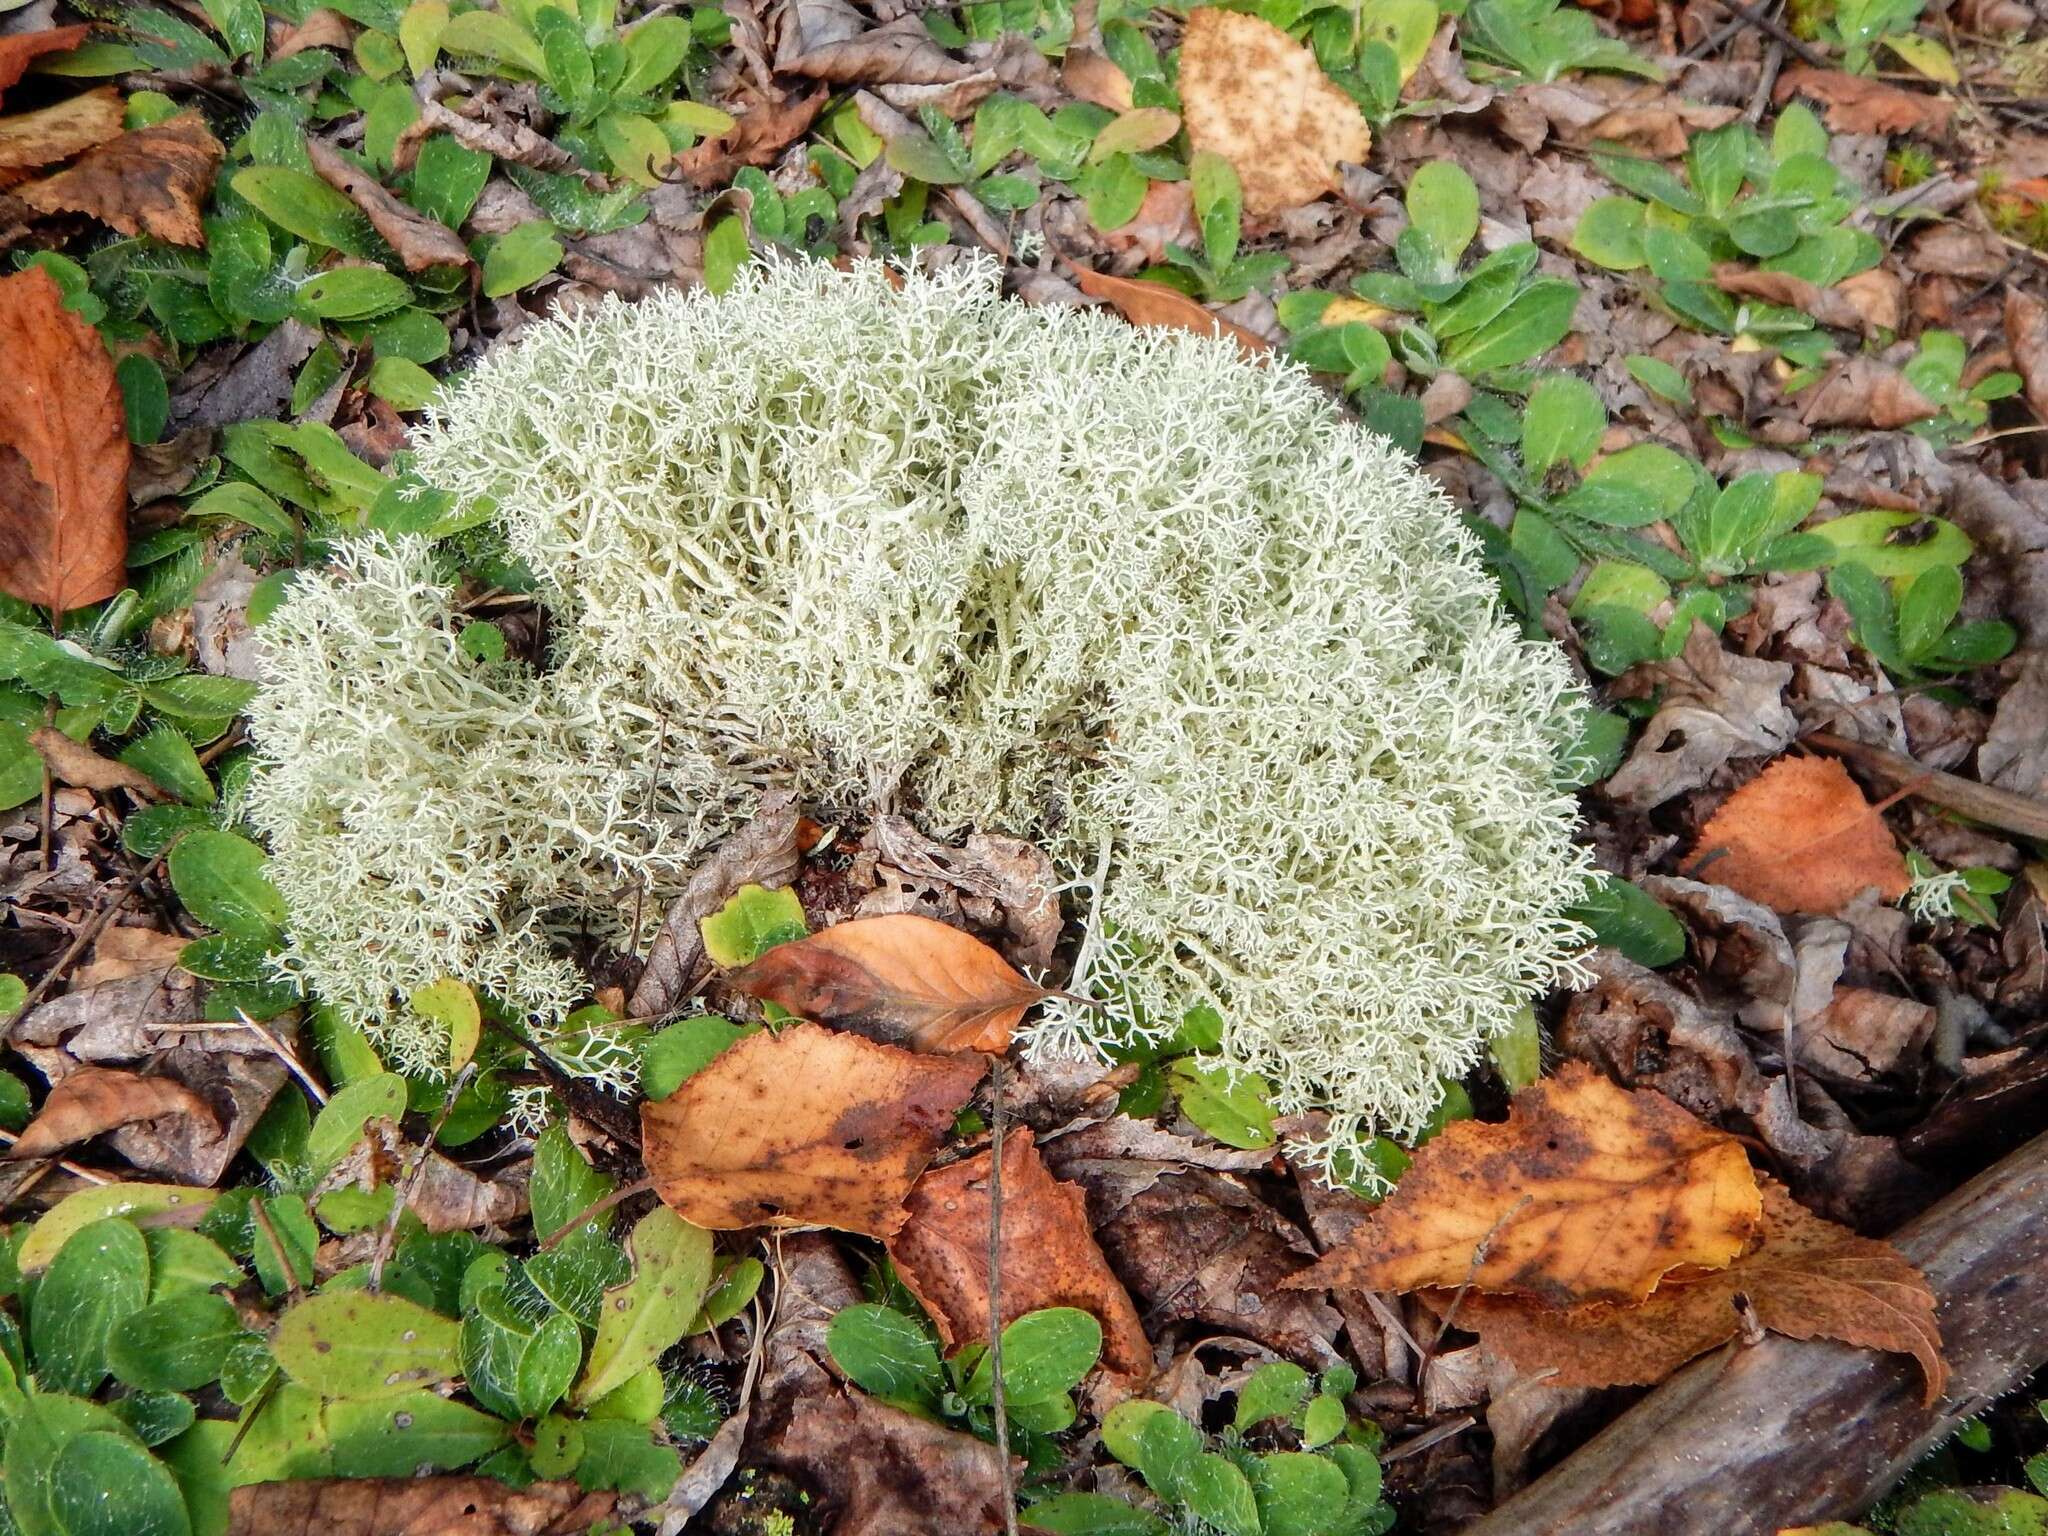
[
  {"x": 1542, "y": 39},
  {"x": 1330, "y": 1486},
  {"x": 1936, "y": 370},
  {"x": 1782, "y": 205},
  {"x": 1216, "y": 273}
]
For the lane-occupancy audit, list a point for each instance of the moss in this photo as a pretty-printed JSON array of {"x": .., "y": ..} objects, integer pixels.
[{"x": 1230, "y": 658}]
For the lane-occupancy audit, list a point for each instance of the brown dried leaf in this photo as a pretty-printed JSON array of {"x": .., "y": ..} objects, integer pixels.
[
  {"x": 1094, "y": 76},
  {"x": 63, "y": 452},
  {"x": 1807, "y": 1279},
  {"x": 1255, "y": 96},
  {"x": 2026, "y": 333},
  {"x": 806, "y": 1126},
  {"x": 122, "y": 952},
  {"x": 32, "y": 139},
  {"x": 154, "y": 180},
  {"x": 1800, "y": 837},
  {"x": 1864, "y": 392},
  {"x": 22, "y": 49},
  {"x": 449, "y": 1505},
  {"x": 1824, "y": 304},
  {"x": 885, "y": 1472},
  {"x": 1586, "y": 1193},
  {"x": 1855, "y": 104},
  {"x": 321, "y": 29},
  {"x": 1144, "y": 303},
  {"x": 421, "y": 242},
  {"x": 756, "y": 139},
  {"x": 96, "y": 1099},
  {"x": 899, "y": 978},
  {"x": 1050, "y": 1257},
  {"x": 74, "y": 763}
]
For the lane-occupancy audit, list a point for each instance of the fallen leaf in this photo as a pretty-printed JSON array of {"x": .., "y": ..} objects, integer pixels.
[
  {"x": 805, "y": 1126},
  {"x": 1144, "y": 303},
  {"x": 449, "y": 1505},
  {"x": 1255, "y": 96},
  {"x": 1165, "y": 216},
  {"x": 756, "y": 139},
  {"x": 2026, "y": 333},
  {"x": 1585, "y": 1193},
  {"x": 1865, "y": 1034},
  {"x": 900, "y": 978},
  {"x": 72, "y": 762},
  {"x": 1806, "y": 1278},
  {"x": 1713, "y": 704},
  {"x": 1824, "y": 304},
  {"x": 95, "y": 1099},
  {"x": 1864, "y": 392},
  {"x": 1857, "y": 104},
  {"x": 321, "y": 29},
  {"x": 420, "y": 242},
  {"x": 32, "y": 139},
  {"x": 63, "y": 452},
  {"x": 124, "y": 952},
  {"x": 1094, "y": 76},
  {"x": 1800, "y": 837},
  {"x": 1879, "y": 297},
  {"x": 154, "y": 180},
  {"x": 22, "y": 49},
  {"x": 763, "y": 852},
  {"x": 884, "y": 1472},
  {"x": 1050, "y": 1257}
]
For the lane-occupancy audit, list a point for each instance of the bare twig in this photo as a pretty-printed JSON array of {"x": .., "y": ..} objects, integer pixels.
[
  {"x": 995, "y": 1288},
  {"x": 2000, "y": 808},
  {"x": 389, "y": 1236},
  {"x": 284, "y": 1258},
  {"x": 1775, "y": 32},
  {"x": 595, "y": 1209},
  {"x": 79, "y": 943}
]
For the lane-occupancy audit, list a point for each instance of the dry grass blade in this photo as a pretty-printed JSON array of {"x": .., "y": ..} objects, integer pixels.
[
  {"x": 902, "y": 978},
  {"x": 96, "y": 1099}
]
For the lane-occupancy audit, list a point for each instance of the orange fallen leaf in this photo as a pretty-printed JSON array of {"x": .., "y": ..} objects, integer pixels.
[
  {"x": 1050, "y": 1256},
  {"x": 154, "y": 180},
  {"x": 807, "y": 1126},
  {"x": 766, "y": 129},
  {"x": 22, "y": 49},
  {"x": 1585, "y": 1193},
  {"x": 1806, "y": 1278},
  {"x": 1255, "y": 96},
  {"x": 1800, "y": 837},
  {"x": 95, "y": 1099},
  {"x": 900, "y": 978},
  {"x": 1144, "y": 303},
  {"x": 1094, "y": 76},
  {"x": 29, "y": 140},
  {"x": 63, "y": 452},
  {"x": 1857, "y": 104}
]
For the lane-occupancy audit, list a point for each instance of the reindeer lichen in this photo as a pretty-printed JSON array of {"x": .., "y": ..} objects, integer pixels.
[{"x": 1231, "y": 659}]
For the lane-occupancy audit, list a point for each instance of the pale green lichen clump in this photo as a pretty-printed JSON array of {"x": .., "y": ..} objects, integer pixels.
[{"x": 1229, "y": 658}]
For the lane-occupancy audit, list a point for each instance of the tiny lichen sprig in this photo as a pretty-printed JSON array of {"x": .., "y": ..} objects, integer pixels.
[{"x": 1232, "y": 660}]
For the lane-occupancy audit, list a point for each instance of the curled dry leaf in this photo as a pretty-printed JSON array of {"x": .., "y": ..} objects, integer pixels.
[
  {"x": 63, "y": 452},
  {"x": 1094, "y": 76},
  {"x": 1806, "y": 1278},
  {"x": 420, "y": 242},
  {"x": 74, "y": 763},
  {"x": 32, "y": 139},
  {"x": 1255, "y": 96},
  {"x": 900, "y": 978},
  {"x": 1585, "y": 1193},
  {"x": 1856, "y": 104},
  {"x": 91, "y": 1100},
  {"x": 1864, "y": 392},
  {"x": 1826, "y": 305},
  {"x": 450, "y": 1505},
  {"x": 152, "y": 181},
  {"x": 1800, "y": 837},
  {"x": 885, "y": 1472},
  {"x": 756, "y": 139},
  {"x": 1144, "y": 303},
  {"x": 2026, "y": 334},
  {"x": 22, "y": 49},
  {"x": 807, "y": 1126},
  {"x": 1050, "y": 1257}
]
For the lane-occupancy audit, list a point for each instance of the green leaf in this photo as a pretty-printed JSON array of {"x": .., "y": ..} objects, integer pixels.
[
  {"x": 885, "y": 1352},
  {"x": 99, "y": 1276},
  {"x": 1092, "y": 1514},
  {"x": 447, "y": 178},
  {"x": 726, "y": 251},
  {"x": 1623, "y": 916},
  {"x": 523, "y": 255},
  {"x": 685, "y": 1048},
  {"x": 751, "y": 924},
  {"x": 1535, "y": 322},
  {"x": 1234, "y": 1107},
  {"x": 200, "y": 698},
  {"x": 71, "y": 1215},
  {"x": 563, "y": 1184},
  {"x": 922, "y": 158},
  {"x": 1562, "y": 425},
  {"x": 244, "y": 503},
  {"x": 410, "y": 1435},
  {"x": 1216, "y": 1491},
  {"x": 15, "y": 1108},
  {"x": 1297, "y": 1493},
  {"x": 626, "y": 1457},
  {"x": 1045, "y": 1353},
  {"x": 219, "y": 877},
  {"x": 351, "y": 293},
  {"x": 176, "y": 1345},
  {"x": 154, "y": 1417},
  {"x": 1610, "y": 234},
  {"x": 401, "y": 383},
  {"x": 105, "y": 1484},
  {"x": 493, "y": 35},
  {"x": 380, "y": 1096},
  {"x": 557, "y": 1446},
  {"x": 1274, "y": 1391},
  {"x": 1518, "y": 1053},
  {"x": 1660, "y": 379},
  {"x": 419, "y": 34},
  {"x": 1894, "y": 544},
  {"x": 352, "y": 1344},
  {"x": 564, "y": 55},
  {"x": 641, "y": 1319},
  {"x": 145, "y": 397},
  {"x": 181, "y": 1262},
  {"x": 451, "y": 1006},
  {"x": 1324, "y": 1419},
  {"x": 1927, "y": 608},
  {"x": 547, "y": 1364},
  {"x": 1443, "y": 204},
  {"x": 1154, "y": 1440},
  {"x": 283, "y": 1255},
  {"x": 167, "y": 757},
  {"x": 301, "y": 204},
  {"x": 655, "y": 50}
]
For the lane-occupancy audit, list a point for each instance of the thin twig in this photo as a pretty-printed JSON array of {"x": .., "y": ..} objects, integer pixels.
[
  {"x": 277, "y": 1047},
  {"x": 284, "y": 1258},
  {"x": 2000, "y": 808},
  {"x": 995, "y": 1288},
  {"x": 593, "y": 1210},
  {"x": 79, "y": 942},
  {"x": 8, "y": 1138},
  {"x": 389, "y": 1236},
  {"x": 1774, "y": 31},
  {"x": 1427, "y": 1438}
]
